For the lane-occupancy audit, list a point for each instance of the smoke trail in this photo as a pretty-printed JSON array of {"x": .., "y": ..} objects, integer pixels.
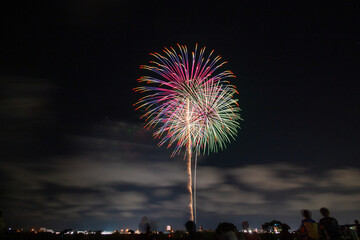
[
  {"x": 190, "y": 185},
  {"x": 189, "y": 161},
  {"x": 195, "y": 165}
]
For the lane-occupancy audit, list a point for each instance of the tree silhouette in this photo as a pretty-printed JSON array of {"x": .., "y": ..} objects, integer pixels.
[{"x": 270, "y": 226}]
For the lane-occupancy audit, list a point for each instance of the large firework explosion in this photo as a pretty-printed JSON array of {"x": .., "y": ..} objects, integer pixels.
[{"x": 189, "y": 104}]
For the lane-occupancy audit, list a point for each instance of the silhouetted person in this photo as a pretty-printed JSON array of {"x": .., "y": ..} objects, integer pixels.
[
  {"x": 309, "y": 228},
  {"x": 329, "y": 226},
  {"x": 227, "y": 231},
  {"x": 357, "y": 228},
  {"x": 191, "y": 229},
  {"x": 144, "y": 226},
  {"x": 285, "y": 234}
]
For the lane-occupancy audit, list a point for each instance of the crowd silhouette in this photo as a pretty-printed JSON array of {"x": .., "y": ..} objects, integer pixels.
[{"x": 327, "y": 228}]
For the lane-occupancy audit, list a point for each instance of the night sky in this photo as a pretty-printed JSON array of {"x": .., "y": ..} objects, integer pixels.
[{"x": 74, "y": 153}]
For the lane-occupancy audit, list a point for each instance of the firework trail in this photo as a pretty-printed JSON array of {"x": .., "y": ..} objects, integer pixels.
[{"x": 190, "y": 105}]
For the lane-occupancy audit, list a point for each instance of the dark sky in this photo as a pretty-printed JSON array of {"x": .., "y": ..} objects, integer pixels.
[{"x": 73, "y": 151}]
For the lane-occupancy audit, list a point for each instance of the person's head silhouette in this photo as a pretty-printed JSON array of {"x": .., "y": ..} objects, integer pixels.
[
  {"x": 306, "y": 213},
  {"x": 324, "y": 211},
  {"x": 190, "y": 227}
]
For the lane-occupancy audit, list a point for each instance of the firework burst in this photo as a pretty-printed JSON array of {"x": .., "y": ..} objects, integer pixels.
[{"x": 190, "y": 105}]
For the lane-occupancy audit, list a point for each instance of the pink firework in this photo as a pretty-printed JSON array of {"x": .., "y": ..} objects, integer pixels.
[{"x": 190, "y": 105}]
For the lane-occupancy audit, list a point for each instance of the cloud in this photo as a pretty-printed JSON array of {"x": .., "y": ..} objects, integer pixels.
[
  {"x": 175, "y": 207},
  {"x": 271, "y": 177},
  {"x": 99, "y": 181},
  {"x": 209, "y": 177},
  {"x": 334, "y": 201},
  {"x": 117, "y": 172},
  {"x": 90, "y": 172},
  {"x": 343, "y": 178},
  {"x": 127, "y": 201},
  {"x": 228, "y": 199},
  {"x": 162, "y": 192}
]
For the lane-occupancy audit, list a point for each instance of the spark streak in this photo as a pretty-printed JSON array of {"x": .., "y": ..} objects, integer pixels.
[{"x": 191, "y": 204}]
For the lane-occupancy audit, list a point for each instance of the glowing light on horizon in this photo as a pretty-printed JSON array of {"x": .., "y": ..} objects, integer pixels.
[{"x": 190, "y": 105}]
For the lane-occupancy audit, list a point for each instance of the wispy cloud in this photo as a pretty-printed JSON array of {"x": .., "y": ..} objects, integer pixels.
[
  {"x": 333, "y": 200},
  {"x": 347, "y": 178},
  {"x": 122, "y": 175}
]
